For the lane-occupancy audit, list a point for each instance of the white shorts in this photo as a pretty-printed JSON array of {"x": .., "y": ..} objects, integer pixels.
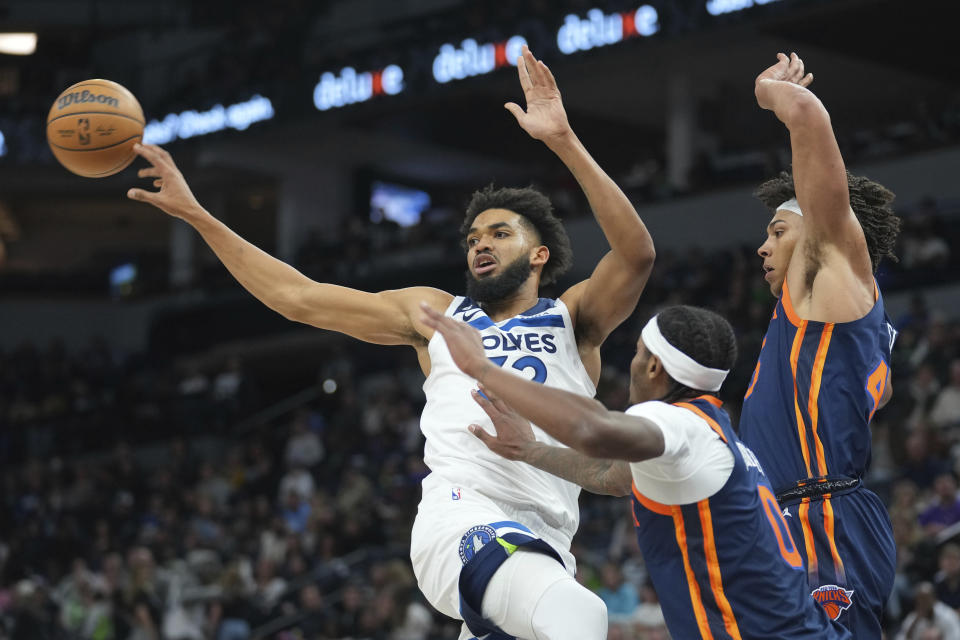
[{"x": 452, "y": 523}]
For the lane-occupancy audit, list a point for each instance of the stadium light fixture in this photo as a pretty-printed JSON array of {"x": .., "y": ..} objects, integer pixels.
[{"x": 18, "y": 44}]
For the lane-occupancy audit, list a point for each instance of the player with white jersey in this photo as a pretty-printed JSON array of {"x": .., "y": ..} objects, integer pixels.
[{"x": 491, "y": 541}]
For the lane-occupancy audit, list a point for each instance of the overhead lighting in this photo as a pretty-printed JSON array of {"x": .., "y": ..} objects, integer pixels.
[{"x": 18, "y": 44}]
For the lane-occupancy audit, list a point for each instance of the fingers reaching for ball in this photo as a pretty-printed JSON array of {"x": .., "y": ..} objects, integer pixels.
[{"x": 174, "y": 196}]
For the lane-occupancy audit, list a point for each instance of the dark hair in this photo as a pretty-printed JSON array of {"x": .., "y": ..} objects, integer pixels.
[
  {"x": 703, "y": 335},
  {"x": 869, "y": 200},
  {"x": 537, "y": 212}
]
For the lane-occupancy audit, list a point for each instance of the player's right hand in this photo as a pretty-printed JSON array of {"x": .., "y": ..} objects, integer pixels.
[
  {"x": 787, "y": 69},
  {"x": 514, "y": 433},
  {"x": 174, "y": 196}
]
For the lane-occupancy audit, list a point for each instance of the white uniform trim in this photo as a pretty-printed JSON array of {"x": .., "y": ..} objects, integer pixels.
[{"x": 695, "y": 463}]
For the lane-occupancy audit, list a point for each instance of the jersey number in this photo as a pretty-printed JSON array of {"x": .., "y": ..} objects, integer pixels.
[
  {"x": 784, "y": 540},
  {"x": 524, "y": 363}
]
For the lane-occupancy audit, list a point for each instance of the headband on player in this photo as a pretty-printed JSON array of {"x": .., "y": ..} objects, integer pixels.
[
  {"x": 791, "y": 205},
  {"x": 679, "y": 365}
]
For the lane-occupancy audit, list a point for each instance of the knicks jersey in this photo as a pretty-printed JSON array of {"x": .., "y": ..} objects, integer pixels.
[
  {"x": 538, "y": 344},
  {"x": 726, "y": 567},
  {"x": 816, "y": 386}
]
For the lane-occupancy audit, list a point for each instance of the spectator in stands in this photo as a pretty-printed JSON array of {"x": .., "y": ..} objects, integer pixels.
[
  {"x": 945, "y": 510},
  {"x": 928, "y": 615},
  {"x": 921, "y": 465},
  {"x": 924, "y": 247},
  {"x": 314, "y": 612},
  {"x": 227, "y": 382},
  {"x": 948, "y": 578},
  {"x": 296, "y": 512},
  {"x": 193, "y": 381},
  {"x": 304, "y": 448},
  {"x": 297, "y": 480},
  {"x": 946, "y": 408},
  {"x": 923, "y": 390},
  {"x": 619, "y": 595}
]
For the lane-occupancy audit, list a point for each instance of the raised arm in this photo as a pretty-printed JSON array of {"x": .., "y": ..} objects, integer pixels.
[
  {"x": 515, "y": 440},
  {"x": 819, "y": 174},
  {"x": 388, "y": 317},
  {"x": 611, "y": 293},
  {"x": 579, "y": 422}
]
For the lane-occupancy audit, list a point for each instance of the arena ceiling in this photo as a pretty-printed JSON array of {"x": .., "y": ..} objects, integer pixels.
[{"x": 869, "y": 56}]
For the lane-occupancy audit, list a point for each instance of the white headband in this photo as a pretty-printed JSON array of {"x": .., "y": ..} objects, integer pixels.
[
  {"x": 679, "y": 365},
  {"x": 791, "y": 205}
]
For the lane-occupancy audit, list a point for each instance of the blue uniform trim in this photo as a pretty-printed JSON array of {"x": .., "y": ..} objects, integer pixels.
[
  {"x": 474, "y": 315},
  {"x": 483, "y": 322},
  {"x": 476, "y": 575},
  {"x": 510, "y": 523}
]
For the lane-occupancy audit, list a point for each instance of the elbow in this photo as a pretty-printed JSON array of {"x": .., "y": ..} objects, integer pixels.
[
  {"x": 643, "y": 262},
  {"x": 289, "y": 304}
]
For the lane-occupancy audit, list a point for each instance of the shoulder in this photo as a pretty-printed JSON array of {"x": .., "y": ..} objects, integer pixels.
[
  {"x": 435, "y": 298},
  {"x": 571, "y": 299},
  {"x": 660, "y": 412}
]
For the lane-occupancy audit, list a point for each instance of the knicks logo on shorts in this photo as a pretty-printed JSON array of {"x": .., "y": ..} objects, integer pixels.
[
  {"x": 474, "y": 539},
  {"x": 835, "y": 600}
]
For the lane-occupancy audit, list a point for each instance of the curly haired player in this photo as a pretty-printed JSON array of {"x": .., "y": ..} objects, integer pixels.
[{"x": 824, "y": 367}]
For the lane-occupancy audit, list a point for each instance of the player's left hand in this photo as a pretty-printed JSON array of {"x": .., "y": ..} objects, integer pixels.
[
  {"x": 462, "y": 340},
  {"x": 787, "y": 69},
  {"x": 514, "y": 434},
  {"x": 545, "y": 118}
]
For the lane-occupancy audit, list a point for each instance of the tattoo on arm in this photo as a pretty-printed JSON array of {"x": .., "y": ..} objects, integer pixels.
[{"x": 596, "y": 475}]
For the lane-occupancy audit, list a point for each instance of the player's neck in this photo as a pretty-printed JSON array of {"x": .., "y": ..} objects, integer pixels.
[{"x": 522, "y": 299}]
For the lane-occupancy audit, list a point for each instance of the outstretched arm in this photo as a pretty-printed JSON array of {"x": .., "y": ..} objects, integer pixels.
[
  {"x": 611, "y": 293},
  {"x": 819, "y": 174},
  {"x": 579, "y": 422},
  {"x": 515, "y": 440},
  {"x": 389, "y": 317}
]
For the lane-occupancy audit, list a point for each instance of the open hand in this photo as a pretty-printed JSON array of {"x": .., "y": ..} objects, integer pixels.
[
  {"x": 545, "y": 118},
  {"x": 514, "y": 434},
  {"x": 462, "y": 340},
  {"x": 174, "y": 196},
  {"x": 787, "y": 69}
]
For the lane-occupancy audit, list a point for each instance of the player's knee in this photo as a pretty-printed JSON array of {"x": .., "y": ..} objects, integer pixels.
[{"x": 570, "y": 611}]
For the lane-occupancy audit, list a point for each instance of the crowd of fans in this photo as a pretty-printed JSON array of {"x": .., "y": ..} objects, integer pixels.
[{"x": 135, "y": 508}]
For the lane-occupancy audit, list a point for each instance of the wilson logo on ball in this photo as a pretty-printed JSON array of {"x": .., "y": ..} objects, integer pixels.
[{"x": 78, "y": 97}]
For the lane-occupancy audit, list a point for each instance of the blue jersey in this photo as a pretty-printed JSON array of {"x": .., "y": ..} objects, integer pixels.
[
  {"x": 807, "y": 411},
  {"x": 726, "y": 567},
  {"x": 806, "y": 415}
]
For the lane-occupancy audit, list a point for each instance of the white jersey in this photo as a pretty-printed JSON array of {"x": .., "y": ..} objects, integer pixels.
[{"x": 538, "y": 344}]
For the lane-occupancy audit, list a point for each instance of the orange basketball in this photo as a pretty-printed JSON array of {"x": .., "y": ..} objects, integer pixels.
[{"x": 92, "y": 127}]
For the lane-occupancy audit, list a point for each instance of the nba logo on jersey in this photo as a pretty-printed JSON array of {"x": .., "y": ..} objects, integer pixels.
[
  {"x": 835, "y": 600},
  {"x": 474, "y": 539},
  {"x": 455, "y": 493}
]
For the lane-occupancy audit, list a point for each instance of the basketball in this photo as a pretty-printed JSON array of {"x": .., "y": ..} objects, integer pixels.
[{"x": 92, "y": 127}]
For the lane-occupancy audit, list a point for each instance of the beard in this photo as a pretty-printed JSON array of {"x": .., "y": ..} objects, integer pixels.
[{"x": 496, "y": 288}]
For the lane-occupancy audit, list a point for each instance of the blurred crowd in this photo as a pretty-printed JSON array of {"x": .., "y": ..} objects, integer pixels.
[{"x": 141, "y": 501}]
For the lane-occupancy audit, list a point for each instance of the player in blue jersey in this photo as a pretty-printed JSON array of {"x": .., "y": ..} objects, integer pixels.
[
  {"x": 513, "y": 244},
  {"x": 719, "y": 553},
  {"x": 824, "y": 366}
]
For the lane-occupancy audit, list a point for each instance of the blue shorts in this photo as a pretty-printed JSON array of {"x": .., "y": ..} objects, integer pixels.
[{"x": 846, "y": 541}]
